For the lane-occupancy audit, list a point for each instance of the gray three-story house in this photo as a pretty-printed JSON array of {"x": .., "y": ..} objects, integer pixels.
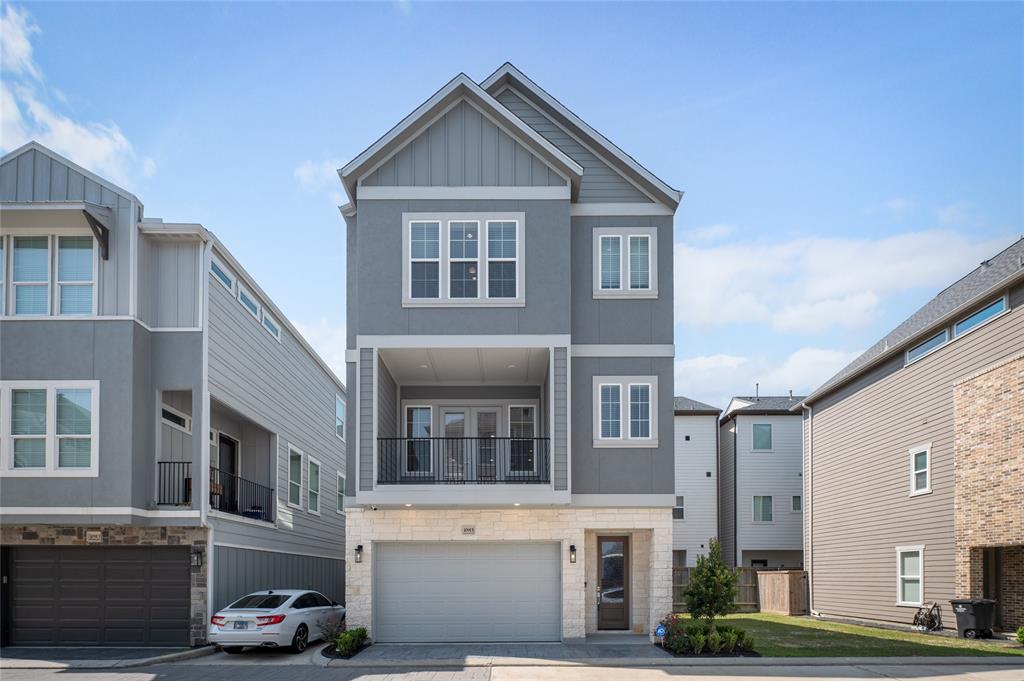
[
  {"x": 168, "y": 440},
  {"x": 510, "y": 361}
]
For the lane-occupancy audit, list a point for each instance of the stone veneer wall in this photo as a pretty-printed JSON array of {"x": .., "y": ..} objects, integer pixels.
[
  {"x": 125, "y": 535},
  {"x": 569, "y": 525},
  {"x": 989, "y": 473}
]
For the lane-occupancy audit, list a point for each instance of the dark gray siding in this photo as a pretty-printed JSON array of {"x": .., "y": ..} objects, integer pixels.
[
  {"x": 378, "y": 310},
  {"x": 367, "y": 357},
  {"x": 560, "y": 438},
  {"x": 601, "y": 183},
  {"x": 464, "y": 149},
  {"x": 617, "y": 321},
  {"x": 621, "y": 470},
  {"x": 727, "y": 491},
  {"x": 35, "y": 176},
  {"x": 237, "y": 572},
  {"x": 387, "y": 414}
]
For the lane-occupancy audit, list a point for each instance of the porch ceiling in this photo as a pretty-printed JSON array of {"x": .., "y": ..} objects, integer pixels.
[{"x": 466, "y": 366}]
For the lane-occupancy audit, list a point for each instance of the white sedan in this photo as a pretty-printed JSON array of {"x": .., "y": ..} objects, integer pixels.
[{"x": 274, "y": 618}]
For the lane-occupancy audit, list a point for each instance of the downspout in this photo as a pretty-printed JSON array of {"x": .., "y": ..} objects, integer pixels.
[
  {"x": 809, "y": 510},
  {"x": 735, "y": 496}
]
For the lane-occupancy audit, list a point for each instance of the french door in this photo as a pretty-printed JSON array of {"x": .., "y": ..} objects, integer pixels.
[{"x": 469, "y": 449}]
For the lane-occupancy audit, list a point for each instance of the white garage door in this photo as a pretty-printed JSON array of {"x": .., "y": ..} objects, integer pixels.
[{"x": 466, "y": 591}]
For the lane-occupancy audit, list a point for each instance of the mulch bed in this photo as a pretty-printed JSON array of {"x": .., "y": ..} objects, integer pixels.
[
  {"x": 332, "y": 653},
  {"x": 746, "y": 653}
]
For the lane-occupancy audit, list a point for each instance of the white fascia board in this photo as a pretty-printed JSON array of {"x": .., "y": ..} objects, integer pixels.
[{"x": 464, "y": 341}]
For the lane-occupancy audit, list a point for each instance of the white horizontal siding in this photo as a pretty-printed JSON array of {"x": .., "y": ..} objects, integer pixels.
[
  {"x": 778, "y": 474},
  {"x": 694, "y": 459}
]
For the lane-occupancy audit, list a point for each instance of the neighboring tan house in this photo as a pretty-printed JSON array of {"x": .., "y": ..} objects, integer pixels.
[
  {"x": 511, "y": 355},
  {"x": 760, "y": 490},
  {"x": 168, "y": 440},
  {"x": 914, "y": 460},
  {"x": 695, "y": 516}
]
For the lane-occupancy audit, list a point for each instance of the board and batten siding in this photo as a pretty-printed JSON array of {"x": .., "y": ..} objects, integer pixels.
[
  {"x": 601, "y": 183},
  {"x": 237, "y": 572},
  {"x": 861, "y": 499},
  {"x": 463, "y": 148},
  {"x": 561, "y": 429},
  {"x": 694, "y": 459},
  {"x": 168, "y": 282},
  {"x": 367, "y": 358},
  {"x": 387, "y": 416},
  {"x": 35, "y": 176},
  {"x": 727, "y": 491},
  {"x": 281, "y": 388}
]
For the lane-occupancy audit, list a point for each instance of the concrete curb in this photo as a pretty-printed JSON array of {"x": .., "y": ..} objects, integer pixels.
[
  {"x": 10, "y": 664},
  {"x": 173, "y": 657},
  {"x": 485, "y": 661}
]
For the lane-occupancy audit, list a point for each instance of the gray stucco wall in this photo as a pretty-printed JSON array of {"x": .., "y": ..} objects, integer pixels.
[{"x": 237, "y": 572}]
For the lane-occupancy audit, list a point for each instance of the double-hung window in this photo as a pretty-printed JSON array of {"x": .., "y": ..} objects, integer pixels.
[
  {"x": 50, "y": 428},
  {"x": 625, "y": 411},
  {"x": 909, "y": 575},
  {"x": 425, "y": 251},
  {"x": 75, "y": 275},
  {"x": 340, "y": 508},
  {"x": 521, "y": 431},
  {"x": 920, "y": 470},
  {"x": 463, "y": 259},
  {"x": 417, "y": 429},
  {"x": 763, "y": 509},
  {"x": 640, "y": 411},
  {"x": 339, "y": 417},
  {"x": 611, "y": 410},
  {"x": 313, "y": 486},
  {"x": 502, "y": 259},
  {"x": 679, "y": 510},
  {"x": 30, "y": 276},
  {"x": 625, "y": 262},
  {"x": 294, "y": 477},
  {"x": 639, "y": 263},
  {"x": 611, "y": 262}
]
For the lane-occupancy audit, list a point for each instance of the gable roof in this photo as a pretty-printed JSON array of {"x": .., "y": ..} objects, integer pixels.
[
  {"x": 985, "y": 280},
  {"x": 507, "y": 74},
  {"x": 684, "y": 406},
  {"x": 460, "y": 87},
  {"x": 763, "y": 405},
  {"x": 33, "y": 145}
]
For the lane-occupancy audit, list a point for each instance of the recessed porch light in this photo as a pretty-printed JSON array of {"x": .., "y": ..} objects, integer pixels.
[
  {"x": 511, "y": 366},
  {"x": 424, "y": 366},
  {"x": 515, "y": 504},
  {"x": 408, "y": 505}
]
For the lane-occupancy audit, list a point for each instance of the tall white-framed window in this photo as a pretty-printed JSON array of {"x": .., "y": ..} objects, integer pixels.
[
  {"x": 522, "y": 430},
  {"x": 176, "y": 419},
  {"x": 639, "y": 262},
  {"x": 340, "y": 507},
  {"x": 761, "y": 437},
  {"x": 463, "y": 258},
  {"x": 313, "y": 486},
  {"x": 679, "y": 510},
  {"x": 920, "y": 469},
  {"x": 30, "y": 275},
  {"x": 910, "y": 575},
  {"x": 418, "y": 428},
  {"x": 49, "y": 429},
  {"x": 625, "y": 411},
  {"x": 763, "y": 509},
  {"x": 339, "y": 417},
  {"x": 425, "y": 263},
  {"x": 222, "y": 274},
  {"x": 611, "y": 262},
  {"x": 502, "y": 259},
  {"x": 295, "y": 457},
  {"x": 76, "y": 275},
  {"x": 249, "y": 302},
  {"x": 3, "y": 274}
]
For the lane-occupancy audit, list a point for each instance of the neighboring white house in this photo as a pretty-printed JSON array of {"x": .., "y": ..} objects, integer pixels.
[
  {"x": 695, "y": 516},
  {"x": 760, "y": 502}
]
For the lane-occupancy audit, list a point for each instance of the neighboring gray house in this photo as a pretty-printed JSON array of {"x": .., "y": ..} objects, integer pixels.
[
  {"x": 914, "y": 460},
  {"x": 695, "y": 515},
  {"x": 168, "y": 440},
  {"x": 760, "y": 498},
  {"x": 510, "y": 351}
]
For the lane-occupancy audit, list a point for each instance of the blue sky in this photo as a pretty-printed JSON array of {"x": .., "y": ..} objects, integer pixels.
[{"x": 841, "y": 162}]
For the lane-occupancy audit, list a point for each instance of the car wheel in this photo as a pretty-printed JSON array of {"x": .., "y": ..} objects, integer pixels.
[
  {"x": 301, "y": 639},
  {"x": 232, "y": 650}
]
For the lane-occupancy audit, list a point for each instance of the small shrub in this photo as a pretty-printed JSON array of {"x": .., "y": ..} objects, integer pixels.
[
  {"x": 349, "y": 642},
  {"x": 698, "y": 627},
  {"x": 697, "y": 642},
  {"x": 1020, "y": 635},
  {"x": 714, "y": 642},
  {"x": 729, "y": 640},
  {"x": 675, "y": 634},
  {"x": 712, "y": 586}
]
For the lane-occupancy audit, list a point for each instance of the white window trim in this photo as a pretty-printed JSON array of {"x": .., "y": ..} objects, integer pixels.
[
  {"x": 405, "y": 428},
  {"x": 796, "y": 510},
  {"x": 341, "y": 493},
  {"x": 310, "y": 462},
  {"x": 243, "y": 291},
  {"x": 600, "y": 259},
  {"x": 755, "y": 449},
  {"x": 3, "y": 274},
  {"x": 452, "y": 259},
  {"x": 927, "y": 449},
  {"x": 188, "y": 419},
  {"x": 49, "y": 277},
  {"x": 51, "y": 469},
  {"x": 753, "y": 516},
  {"x": 214, "y": 260},
  {"x": 650, "y": 411},
  {"x": 600, "y": 417},
  {"x": 906, "y": 355},
  {"x": 264, "y": 316},
  {"x": 625, "y": 290},
  {"x": 58, "y": 284},
  {"x": 444, "y": 220},
  {"x": 624, "y": 441},
  {"x": 344, "y": 409},
  {"x": 302, "y": 465},
  {"x": 899, "y": 576},
  {"x": 683, "y": 519},
  {"x": 953, "y": 335},
  {"x": 629, "y": 262},
  {"x": 508, "y": 427}
]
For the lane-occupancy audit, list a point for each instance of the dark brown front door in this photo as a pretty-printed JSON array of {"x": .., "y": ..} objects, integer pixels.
[{"x": 613, "y": 582}]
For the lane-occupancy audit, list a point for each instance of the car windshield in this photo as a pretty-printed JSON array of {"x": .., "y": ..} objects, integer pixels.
[{"x": 259, "y": 601}]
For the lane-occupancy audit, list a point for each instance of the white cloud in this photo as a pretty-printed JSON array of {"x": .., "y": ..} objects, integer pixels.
[
  {"x": 716, "y": 378},
  {"x": 813, "y": 284},
  {"x": 100, "y": 147},
  {"x": 709, "y": 234},
  {"x": 330, "y": 342},
  {"x": 319, "y": 177},
  {"x": 955, "y": 213}
]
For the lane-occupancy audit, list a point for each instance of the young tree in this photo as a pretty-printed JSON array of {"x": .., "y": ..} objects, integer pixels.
[{"x": 712, "y": 586}]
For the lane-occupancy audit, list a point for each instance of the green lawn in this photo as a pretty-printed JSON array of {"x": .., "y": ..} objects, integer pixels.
[{"x": 782, "y": 636}]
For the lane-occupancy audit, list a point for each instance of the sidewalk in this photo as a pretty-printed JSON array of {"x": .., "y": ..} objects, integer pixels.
[{"x": 23, "y": 657}]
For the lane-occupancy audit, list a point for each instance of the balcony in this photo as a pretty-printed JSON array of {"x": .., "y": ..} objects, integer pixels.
[
  {"x": 463, "y": 461},
  {"x": 228, "y": 493}
]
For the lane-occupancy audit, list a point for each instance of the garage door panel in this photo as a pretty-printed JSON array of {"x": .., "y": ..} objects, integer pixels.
[{"x": 461, "y": 588}]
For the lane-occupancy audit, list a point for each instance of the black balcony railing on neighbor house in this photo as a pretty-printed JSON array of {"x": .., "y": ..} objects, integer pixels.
[
  {"x": 463, "y": 461},
  {"x": 230, "y": 493},
  {"x": 174, "y": 483}
]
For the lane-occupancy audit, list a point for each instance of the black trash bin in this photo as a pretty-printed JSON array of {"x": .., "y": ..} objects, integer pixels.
[{"x": 974, "y": 616}]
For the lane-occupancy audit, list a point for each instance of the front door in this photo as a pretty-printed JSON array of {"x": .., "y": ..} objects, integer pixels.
[
  {"x": 453, "y": 446},
  {"x": 228, "y": 463},
  {"x": 613, "y": 582}
]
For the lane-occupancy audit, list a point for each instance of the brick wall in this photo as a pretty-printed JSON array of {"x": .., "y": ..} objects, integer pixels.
[{"x": 989, "y": 474}]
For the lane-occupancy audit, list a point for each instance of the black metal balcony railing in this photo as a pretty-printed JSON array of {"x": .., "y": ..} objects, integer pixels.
[
  {"x": 231, "y": 493},
  {"x": 463, "y": 461},
  {"x": 174, "y": 483}
]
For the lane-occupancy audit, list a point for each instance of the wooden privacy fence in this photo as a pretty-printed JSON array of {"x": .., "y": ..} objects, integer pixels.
[
  {"x": 783, "y": 592},
  {"x": 746, "y": 589}
]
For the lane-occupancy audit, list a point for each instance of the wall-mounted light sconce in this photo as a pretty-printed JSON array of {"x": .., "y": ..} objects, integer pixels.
[
  {"x": 197, "y": 558},
  {"x": 572, "y": 553},
  {"x": 359, "y": 553}
]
